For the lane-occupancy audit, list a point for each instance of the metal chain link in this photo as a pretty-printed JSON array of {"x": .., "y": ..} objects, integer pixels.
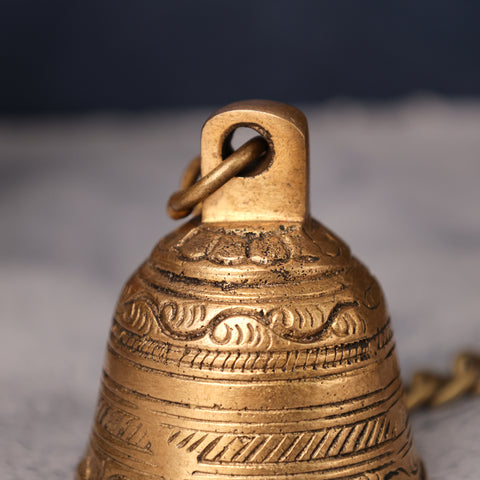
[
  {"x": 194, "y": 191},
  {"x": 428, "y": 389}
]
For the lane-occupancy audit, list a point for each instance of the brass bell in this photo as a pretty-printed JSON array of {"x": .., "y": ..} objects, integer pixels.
[{"x": 251, "y": 344}]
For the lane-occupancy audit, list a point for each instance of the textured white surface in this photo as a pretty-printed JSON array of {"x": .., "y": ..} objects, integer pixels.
[{"x": 83, "y": 202}]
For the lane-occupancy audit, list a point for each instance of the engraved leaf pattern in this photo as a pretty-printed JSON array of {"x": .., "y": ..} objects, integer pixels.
[{"x": 272, "y": 248}]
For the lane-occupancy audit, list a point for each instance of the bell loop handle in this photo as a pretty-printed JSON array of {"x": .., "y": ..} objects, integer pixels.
[{"x": 278, "y": 193}]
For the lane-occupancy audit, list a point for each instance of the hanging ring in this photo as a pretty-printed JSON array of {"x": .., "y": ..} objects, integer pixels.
[{"x": 193, "y": 192}]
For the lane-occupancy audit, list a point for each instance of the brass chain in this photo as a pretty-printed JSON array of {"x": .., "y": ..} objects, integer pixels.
[
  {"x": 429, "y": 389},
  {"x": 426, "y": 389}
]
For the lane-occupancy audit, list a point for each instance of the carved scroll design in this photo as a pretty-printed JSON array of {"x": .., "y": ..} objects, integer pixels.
[
  {"x": 187, "y": 322},
  {"x": 145, "y": 316}
]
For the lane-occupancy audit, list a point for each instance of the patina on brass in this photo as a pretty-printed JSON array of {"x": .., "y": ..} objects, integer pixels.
[{"x": 251, "y": 344}]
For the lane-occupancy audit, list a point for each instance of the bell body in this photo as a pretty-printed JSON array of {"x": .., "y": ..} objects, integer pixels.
[{"x": 254, "y": 350}]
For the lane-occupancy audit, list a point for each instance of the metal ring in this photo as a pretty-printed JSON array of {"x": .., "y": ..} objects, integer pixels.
[
  {"x": 182, "y": 203},
  {"x": 191, "y": 173}
]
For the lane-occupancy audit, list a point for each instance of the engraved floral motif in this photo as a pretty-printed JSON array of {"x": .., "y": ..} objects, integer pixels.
[
  {"x": 303, "y": 324},
  {"x": 257, "y": 247}
]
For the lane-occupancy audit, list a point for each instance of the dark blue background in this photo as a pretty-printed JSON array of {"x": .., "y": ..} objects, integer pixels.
[{"x": 88, "y": 55}]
